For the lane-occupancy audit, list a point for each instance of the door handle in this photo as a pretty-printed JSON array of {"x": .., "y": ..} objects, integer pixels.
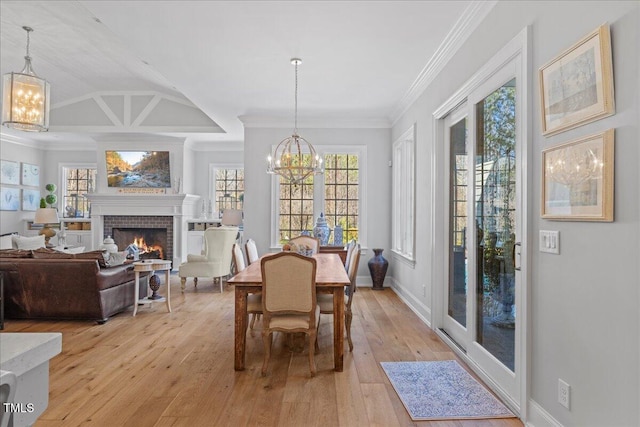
[{"x": 516, "y": 255}]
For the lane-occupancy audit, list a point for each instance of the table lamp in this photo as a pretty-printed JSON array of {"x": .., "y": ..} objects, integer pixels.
[
  {"x": 46, "y": 217},
  {"x": 231, "y": 217}
]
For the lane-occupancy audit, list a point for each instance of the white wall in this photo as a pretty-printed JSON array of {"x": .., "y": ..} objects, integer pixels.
[
  {"x": 18, "y": 151},
  {"x": 584, "y": 304},
  {"x": 257, "y": 200}
]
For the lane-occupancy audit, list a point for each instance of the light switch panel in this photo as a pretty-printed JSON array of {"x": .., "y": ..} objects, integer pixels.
[{"x": 550, "y": 241}]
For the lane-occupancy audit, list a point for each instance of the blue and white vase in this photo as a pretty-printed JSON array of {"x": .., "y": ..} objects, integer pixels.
[
  {"x": 322, "y": 231},
  {"x": 337, "y": 236}
]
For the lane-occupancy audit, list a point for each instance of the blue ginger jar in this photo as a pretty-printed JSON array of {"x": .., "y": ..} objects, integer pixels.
[
  {"x": 322, "y": 231},
  {"x": 337, "y": 235}
]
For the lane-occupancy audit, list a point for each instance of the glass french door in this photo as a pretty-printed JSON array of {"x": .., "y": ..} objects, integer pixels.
[{"x": 483, "y": 226}]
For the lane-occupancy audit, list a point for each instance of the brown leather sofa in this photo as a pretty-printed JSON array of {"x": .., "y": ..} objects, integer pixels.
[{"x": 66, "y": 288}]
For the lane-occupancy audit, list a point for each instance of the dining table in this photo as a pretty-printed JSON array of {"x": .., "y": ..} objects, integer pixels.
[{"x": 331, "y": 277}]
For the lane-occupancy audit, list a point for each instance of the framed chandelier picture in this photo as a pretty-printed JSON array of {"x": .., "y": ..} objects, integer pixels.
[
  {"x": 576, "y": 87},
  {"x": 577, "y": 179}
]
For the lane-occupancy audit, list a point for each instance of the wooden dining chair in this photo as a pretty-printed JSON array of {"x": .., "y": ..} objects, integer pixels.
[
  {"x": 350, "y": 246},
  {"x": 289, "y": 300},
  {"x": 325, "y": 301},
  {"x": 311, "y": 242},
  {"x": 252, "y": 251},
  {"x": 254, "y": 300}
]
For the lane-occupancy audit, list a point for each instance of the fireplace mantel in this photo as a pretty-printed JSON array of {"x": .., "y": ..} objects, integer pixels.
[
  {"x": 181, "y": 207},
  {"x": 142, "y": 204}
]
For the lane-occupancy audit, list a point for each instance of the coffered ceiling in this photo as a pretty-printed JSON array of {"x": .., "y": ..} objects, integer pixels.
[{"x": 213, "y": 65}]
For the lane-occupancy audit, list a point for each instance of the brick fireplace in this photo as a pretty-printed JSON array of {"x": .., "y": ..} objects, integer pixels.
[
  {"x": 151, "y": 211},
  {"x": 155, "y": 231}
]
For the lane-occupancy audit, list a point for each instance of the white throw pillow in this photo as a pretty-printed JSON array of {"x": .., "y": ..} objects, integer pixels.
[
  {"x": 28, "y": 243},
  {"x": 6, "y": 242}
]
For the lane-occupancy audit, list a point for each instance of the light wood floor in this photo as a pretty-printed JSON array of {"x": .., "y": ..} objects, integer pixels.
[{"x": 176, "y": 369}]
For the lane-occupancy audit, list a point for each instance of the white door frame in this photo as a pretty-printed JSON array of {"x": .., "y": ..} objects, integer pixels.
[{"x": 516, "y": 50}]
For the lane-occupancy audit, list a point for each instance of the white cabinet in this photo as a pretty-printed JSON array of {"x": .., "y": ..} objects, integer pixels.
[
  {"x": 78, "y": 231},
  {"x": 79, "y": 238}
]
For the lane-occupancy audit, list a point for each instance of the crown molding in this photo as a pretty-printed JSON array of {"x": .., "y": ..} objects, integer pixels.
[
  {"x": 216, "y": 146},
  {"x": 18, "y": 140},
  {"x": 472, "y": 16},
  {"x": 315, "y": 123}
]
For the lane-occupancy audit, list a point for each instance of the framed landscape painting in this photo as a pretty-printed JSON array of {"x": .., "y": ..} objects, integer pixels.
[
  {"x": 577, "y": 86},
  {"x": 577, "y": 179}
]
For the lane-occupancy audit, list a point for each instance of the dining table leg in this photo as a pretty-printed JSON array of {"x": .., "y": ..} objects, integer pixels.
[
  {"x": 240, "y": 327},
  {"x": 338, "y": 329}
]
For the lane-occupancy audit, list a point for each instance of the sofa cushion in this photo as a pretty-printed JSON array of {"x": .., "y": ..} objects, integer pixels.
[
  {"x": 45, "y": 253},
  {"x": 24, "y": 242},
  {"x": 15, "y": 253},
  {"x": 97, "y": 255}
]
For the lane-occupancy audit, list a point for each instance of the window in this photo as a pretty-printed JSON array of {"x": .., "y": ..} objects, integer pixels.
[
  {"x": 228, "y": 187},
  {"x": 336, "y": 194},
  {"x": 341, "y": 178},
  {"x": 77, "y": 180},
  {"x": 295, "y": 208},
  {"x": 403, "y": 208}
]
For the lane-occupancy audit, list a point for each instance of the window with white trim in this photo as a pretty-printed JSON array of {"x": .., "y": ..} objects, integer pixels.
[
  {"x": 227, "y": 187},
  {"x": 403, "y": 206},
  {"x": 337, "y": 194},
  {"x": 76, "y": 181}
]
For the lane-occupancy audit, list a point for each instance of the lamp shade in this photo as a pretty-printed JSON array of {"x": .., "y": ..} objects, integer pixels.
[
  {"x": 231, "y": 217},
  {"x": 46, "y": 216}
]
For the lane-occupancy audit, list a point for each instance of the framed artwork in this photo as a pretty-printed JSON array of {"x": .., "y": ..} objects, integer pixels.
[
  {"x": 577, "y": 179},
  {"x": 9, "y": 199},
  {"x": 9, "y": 172},
  {"x": 30, "y": 199},
  {"x": 577, "y": 86},
  {"x": 30, "y": 175}
]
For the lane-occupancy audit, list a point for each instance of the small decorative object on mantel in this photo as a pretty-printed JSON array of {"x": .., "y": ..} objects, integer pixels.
[
  {"x": 203, "y": 211},
  {"x": 322, "y": 231},
  {"x": 143, "y": 190},
  {"x": 378, "y": 269}
]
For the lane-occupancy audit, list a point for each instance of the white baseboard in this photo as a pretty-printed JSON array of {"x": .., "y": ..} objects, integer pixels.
[
  {"x": 538, "y": 417},
  {"x": 417, "y": 306}
]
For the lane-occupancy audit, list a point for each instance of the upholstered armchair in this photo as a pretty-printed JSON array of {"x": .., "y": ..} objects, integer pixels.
[{"x": 215, "y": 260}]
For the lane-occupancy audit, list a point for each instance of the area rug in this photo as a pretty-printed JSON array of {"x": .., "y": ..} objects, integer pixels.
[{"x": 442, "y": 390}]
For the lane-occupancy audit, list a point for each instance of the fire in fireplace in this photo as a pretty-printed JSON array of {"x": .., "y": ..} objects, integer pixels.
[{"x": 150, "y": 242}]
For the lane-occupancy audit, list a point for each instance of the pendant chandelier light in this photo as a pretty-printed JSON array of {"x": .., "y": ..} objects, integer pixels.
[
  {"x": 294, "y": 157},
  {"x": 26, "y": 98}
]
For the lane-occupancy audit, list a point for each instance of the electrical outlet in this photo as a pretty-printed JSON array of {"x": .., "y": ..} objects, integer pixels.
[
  {"x": 424, "y": 290},
  {"x": 564, "y": 393}
]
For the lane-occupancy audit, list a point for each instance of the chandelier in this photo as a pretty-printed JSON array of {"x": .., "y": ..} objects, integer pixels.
[
  {"x": 571, "y": 167},
  {"x": 294, "y": 158},
  {"x": 26, "y": 98}
]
